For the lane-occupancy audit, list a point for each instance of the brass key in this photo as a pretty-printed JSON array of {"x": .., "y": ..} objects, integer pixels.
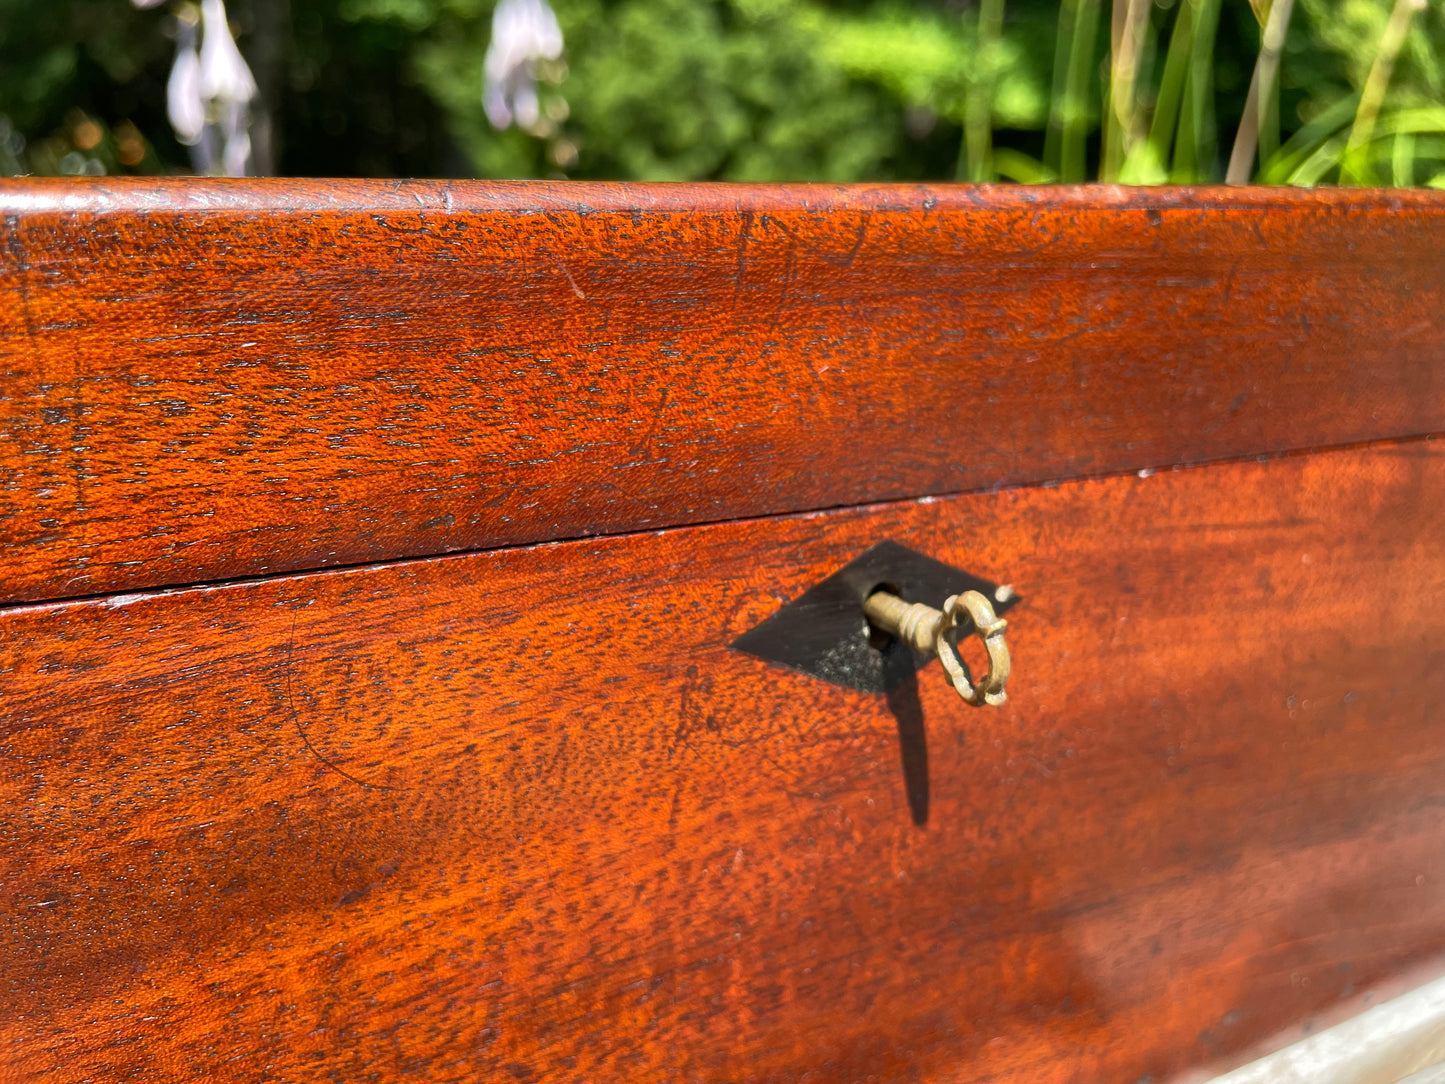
[{"x": 925, "y": 630}]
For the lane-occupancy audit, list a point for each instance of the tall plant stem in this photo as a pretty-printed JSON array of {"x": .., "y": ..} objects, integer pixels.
[
  {"x": 1063, "y": 45},
  {"x": 1074, "y": 131},
  {"x": 1354, "y": 167},
  {"x": 977, "y": 160},
  {"x": 1194, "y": 145},
  {"x": 1402, "y": 160},
  {"x": 1121, "y": 132},
  {"x": 1261, "y": 94},
  {"x": 1171, "y": 84}
]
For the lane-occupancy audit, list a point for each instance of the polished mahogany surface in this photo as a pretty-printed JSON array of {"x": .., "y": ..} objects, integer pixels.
[
  {"x": 202, "y": 380},
  {"x": 523, "y": 815}
]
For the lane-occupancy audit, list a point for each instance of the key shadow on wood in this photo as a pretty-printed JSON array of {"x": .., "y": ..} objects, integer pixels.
[{"x": 901, "y": 685}]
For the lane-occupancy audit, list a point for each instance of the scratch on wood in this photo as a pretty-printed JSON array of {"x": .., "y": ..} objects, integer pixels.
[
  {"x": 301, "y": 730},
  {"x": 744, "y": 236},
  {"x": 22, "y": 274},
  {"x": 858, "y": 238},
  {"x": 572, "y": 282}
]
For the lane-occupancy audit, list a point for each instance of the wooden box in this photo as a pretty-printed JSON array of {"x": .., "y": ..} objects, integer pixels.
[{"x": 374, "y": 553}]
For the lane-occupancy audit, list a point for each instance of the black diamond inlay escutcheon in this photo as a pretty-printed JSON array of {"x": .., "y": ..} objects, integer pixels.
[{"x": 823, "y": 633}]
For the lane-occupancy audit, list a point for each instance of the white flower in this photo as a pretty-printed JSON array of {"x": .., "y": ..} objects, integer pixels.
[
  {"x": 523, "y": 32},
  {"x": 236, "y": 154},
  {"x": 224, "y": 75},
  {"x": 209, "y": 92},
  {"x": 184, "y": 106}
]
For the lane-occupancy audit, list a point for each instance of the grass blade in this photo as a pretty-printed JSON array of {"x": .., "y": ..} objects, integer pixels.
[
  {"x": 977, "y": 159},
  {"x": 1262, "y": 98},
  {"x": 1355, "y": 166}
]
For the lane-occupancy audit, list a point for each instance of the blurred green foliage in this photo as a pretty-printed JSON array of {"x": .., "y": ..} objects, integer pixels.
[{"x": 834, "y": 90}]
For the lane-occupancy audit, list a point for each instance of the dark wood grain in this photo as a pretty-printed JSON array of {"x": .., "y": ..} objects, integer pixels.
[
  {"x": 207, "y": 380},
  {"x": 523, "y": 815}
]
